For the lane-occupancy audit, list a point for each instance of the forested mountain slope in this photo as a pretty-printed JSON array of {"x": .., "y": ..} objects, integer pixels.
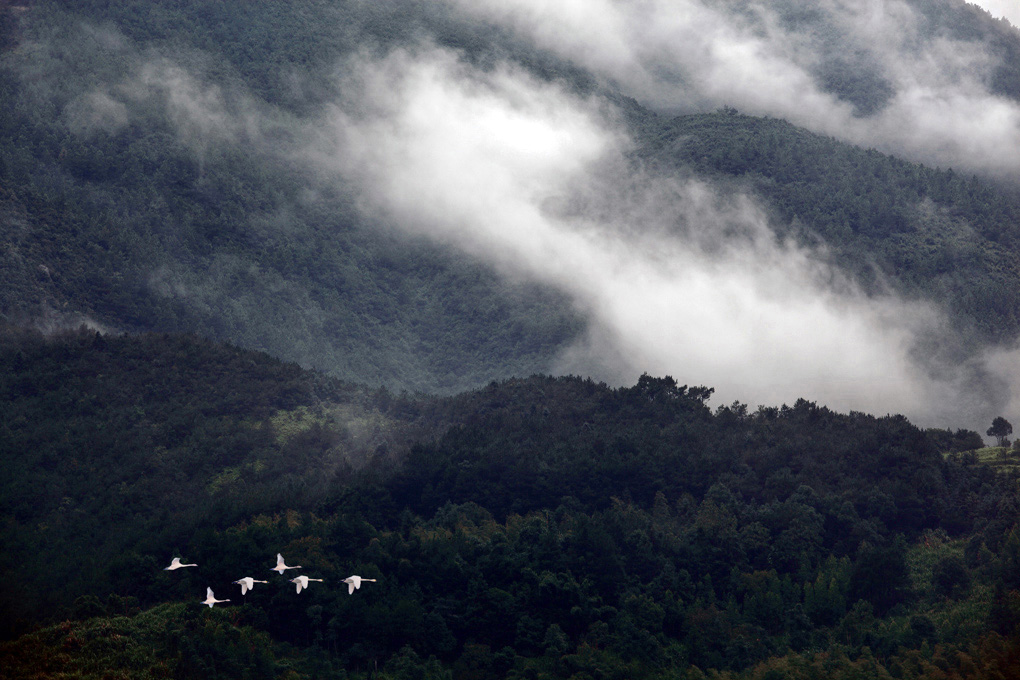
[
  {"x": 186, "y": 177},
  {"x": 166, "y": 216},
  {"x": 109, "y": 443},
  {"x": 546, "y": 525},
  {"x": 931, "y": 233},
  {"x": 156, "y": 177}
]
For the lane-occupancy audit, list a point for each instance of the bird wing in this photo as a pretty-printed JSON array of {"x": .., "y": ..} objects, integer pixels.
[
  {"x": 244, "y": 588},
  {"x": 350, "y": 587}
]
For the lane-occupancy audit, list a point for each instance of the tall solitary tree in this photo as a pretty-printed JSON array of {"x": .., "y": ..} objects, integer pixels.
[{"x": 1000, "y": 429}]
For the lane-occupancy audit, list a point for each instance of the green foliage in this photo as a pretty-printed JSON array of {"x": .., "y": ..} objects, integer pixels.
[
  {"x": 115, "y": 445},
  {"x": 547, "y": 527},
  {"x": 955, "y": 442},
  {"x": 950, "y": 576},
  {"x": 168, "y": 641},
  {"x": 826, "y": 598},
  {"x": 1000, "y": 429},
  {"x": 996, "y": 457},
  {"x": 880, "y": 576}
]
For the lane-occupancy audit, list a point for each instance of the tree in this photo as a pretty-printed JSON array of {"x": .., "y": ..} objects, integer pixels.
[
  {"x": 1000, "y": 429},
  {"x": 881, "y": 576},
  {"x": 950, "y": 576}
]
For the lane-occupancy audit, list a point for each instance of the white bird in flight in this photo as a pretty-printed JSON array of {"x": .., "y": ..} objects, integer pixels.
[
  {"x": 302, "y": 582},
  {"x": 280, "y": 566},
  {"x": 210, "y": 599},
  {"x": 354, "y": 582},
  {"x": 247, "y": 583},
  {"x": 175, "y": 563}
]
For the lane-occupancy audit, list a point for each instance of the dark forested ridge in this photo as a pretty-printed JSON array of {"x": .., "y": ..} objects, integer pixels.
[{"x": 540, "y": 527}]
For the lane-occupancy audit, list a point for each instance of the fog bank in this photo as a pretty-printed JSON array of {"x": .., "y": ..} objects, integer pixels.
[
  {"x": 917, "y": 88},
  {"x": 675, "y": 277}
]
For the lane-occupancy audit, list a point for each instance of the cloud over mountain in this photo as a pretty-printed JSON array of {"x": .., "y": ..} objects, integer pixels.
[
  {"x": 674, "y": 275},
  {"x": 1005, "y": 9},
  {"x": 470, "y": 149},
  {"x": 888, "y": 74}
]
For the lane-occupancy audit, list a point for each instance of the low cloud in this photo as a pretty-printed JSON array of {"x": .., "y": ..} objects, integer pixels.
[
  {"x": 674, "y": 276},
  {"x": 931, "y": 97},
  {"x": 95, "y": 111},
  {"x": 137, "y": 85},
  {"x": 206, "y": 116}
]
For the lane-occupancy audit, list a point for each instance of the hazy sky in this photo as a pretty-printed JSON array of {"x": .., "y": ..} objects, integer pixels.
[{"x": 1005, "y": 9}]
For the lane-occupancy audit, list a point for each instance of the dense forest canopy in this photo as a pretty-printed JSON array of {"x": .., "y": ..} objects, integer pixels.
[{"x": 545, "y": 525}]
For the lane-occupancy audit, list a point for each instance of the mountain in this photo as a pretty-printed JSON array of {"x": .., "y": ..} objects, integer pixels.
[
  {"x": 127, "y": 228},
  {"x": 934, "y": 233},
  {"x": 397, "y": 290},
  {"x": 550, "y": 524},
  {"x": 169, "y": 169}
]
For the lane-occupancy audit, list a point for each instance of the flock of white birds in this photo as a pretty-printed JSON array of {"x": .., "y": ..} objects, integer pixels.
[{"x": 247, "y": 583}]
